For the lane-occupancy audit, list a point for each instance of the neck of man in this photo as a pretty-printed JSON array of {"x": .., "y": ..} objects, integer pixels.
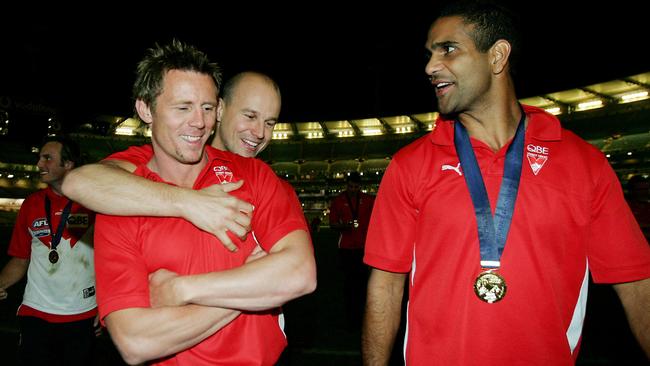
[
  {"x": 217, "y": 143},
  {"x": 172, "y": 171},
  {"x": 495, "y": 121},
  {"x": 56, "y": 187}
]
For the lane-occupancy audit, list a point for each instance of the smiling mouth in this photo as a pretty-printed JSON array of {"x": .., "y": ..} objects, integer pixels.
[
  {"x": 442, "y": 87},
  {"x": 191, "y": 139},
  {"x": 250, "y": 144}
]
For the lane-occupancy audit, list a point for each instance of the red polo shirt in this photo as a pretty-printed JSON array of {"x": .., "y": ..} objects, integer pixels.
[{"x": 570, "y": 220}]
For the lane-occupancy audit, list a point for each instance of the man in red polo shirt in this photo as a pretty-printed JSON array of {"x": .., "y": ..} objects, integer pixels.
[
  {"x": 498, "y": 217},
  {"x": 249, "y": 107},
  {"x": 171, "y": 292},
  {"x": 349, "y": 215}
]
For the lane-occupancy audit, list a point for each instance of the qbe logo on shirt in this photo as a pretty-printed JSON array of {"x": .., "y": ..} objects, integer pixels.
[
  {"x": 537, "y": 157},
  {"x": 223, "y": 173},
  {"x": 78, "y": 221}
]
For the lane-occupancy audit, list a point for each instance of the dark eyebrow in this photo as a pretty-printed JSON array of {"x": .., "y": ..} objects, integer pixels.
[{"x": 442, "y": 44}]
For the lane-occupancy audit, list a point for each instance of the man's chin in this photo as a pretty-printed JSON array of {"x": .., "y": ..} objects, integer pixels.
[
  {"x": 190, "y": 159},
  {"x": 245, "y": 152}
]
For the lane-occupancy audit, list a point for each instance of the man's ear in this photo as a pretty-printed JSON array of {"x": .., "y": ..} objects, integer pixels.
[
  {"x": 499, "y": 55},
  {"x": 144, "y": 112},
  {"x": 220, "y": 108},
  {"x": 68, "y": 164}
]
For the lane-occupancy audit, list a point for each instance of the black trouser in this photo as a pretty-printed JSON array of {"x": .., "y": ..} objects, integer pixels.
[{"x": 64, "y": 344}]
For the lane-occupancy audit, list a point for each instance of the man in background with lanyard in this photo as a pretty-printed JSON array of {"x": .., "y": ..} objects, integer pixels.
[
  {"x": 350, "y": 214},
  {"x": 52, "y": 243},
  {"x": 499, "y": 216}
]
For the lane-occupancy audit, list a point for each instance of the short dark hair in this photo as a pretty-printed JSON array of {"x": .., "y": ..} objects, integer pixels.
[
  {"x": 492, "y": 22},
  {"x": 231, "y": 84},
  {"x": 70, "y": 150},
  {"x": 172, "y": 56}
]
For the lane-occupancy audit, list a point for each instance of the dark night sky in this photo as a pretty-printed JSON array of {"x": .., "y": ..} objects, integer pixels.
[{"x": 331, "y": 62}]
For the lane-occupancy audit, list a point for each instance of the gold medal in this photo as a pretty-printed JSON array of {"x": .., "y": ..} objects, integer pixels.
[
  {"x": 490, "y": 286},
  {"x": 53, "y": 256},
  {"x": 355, "y": 223}
]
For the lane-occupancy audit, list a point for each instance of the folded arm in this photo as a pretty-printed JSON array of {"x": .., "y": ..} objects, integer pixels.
[
  {"x": 143, "y": 334},
  {"x": 109, "y": 187},
  {"x": 287, "y": 272},
  {"x": 635, "y": 297},
  {"x": 382, "y": 317}
]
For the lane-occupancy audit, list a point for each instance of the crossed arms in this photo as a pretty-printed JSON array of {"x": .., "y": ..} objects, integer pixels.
[{"x": 187, "y": 309}]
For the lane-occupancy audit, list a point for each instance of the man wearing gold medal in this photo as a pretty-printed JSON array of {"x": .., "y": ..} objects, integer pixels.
[
  {"x": 498, "y": 217},
  {"x": 52, "y": 243}
]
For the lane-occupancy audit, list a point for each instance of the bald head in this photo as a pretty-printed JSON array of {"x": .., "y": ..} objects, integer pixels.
[{"x": 248, "y": 110}]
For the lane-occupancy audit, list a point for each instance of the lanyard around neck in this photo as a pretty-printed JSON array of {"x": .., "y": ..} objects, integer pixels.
[
  {"x": 56, "y": 237},
  {"x": 354, "y": 210},
  {"x": 492, "y": 231}
]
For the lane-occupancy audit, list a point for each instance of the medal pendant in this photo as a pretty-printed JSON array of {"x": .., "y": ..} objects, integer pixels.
[
  {"x": 53, "y": 256},
  {"x": 355, "y": 223},
  {"x": 490, "y": 286}
]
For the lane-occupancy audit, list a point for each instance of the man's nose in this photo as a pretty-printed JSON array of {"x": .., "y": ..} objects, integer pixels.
[{"x": 258, "y": 129}]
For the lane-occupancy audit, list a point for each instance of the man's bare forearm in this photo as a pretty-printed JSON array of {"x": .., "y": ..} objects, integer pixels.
[
  {"x": 382, "y": 317},
  {"x": 12, "y": 272},
  {"x": 287, "y": 272},
  {"x": 109, "y": 187},
  {"x": 143, "y": 334},
  {"x": 635, "y": 297}
]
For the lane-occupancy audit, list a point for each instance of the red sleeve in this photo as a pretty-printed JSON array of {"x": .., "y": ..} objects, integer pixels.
[
  {"x": 120, "y": 270},
  {"x": 277, "y": 208},
  {"x": 391, "y": 234},
  {"x": 136, "y": 155},
  {"x": 618, "y": 251},
  {"x": 295, "y": 206},
  {"x": 21, "y": 240}
]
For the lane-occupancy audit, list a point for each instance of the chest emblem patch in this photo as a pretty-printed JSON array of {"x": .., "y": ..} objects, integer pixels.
[
  {"x": 223, "y": 173},
  {"x": 40, "y": 228},
  {"x": 537, "y": 157}
]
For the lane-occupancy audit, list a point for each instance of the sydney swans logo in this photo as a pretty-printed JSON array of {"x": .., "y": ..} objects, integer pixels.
[
  {"x": 537, "y": 157},
  {"x": 223, "y": 173}
]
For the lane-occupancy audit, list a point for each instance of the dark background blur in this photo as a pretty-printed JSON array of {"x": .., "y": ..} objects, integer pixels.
[{"x": 333, "y": 60}]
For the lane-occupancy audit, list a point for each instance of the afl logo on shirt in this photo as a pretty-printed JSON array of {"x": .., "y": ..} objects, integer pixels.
[
  {"x": 78, "y": 221},
  {"x": 537, "y": 157},
  {"x": 223, "y": 173},
  {"x": 40, "y": 228}
]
